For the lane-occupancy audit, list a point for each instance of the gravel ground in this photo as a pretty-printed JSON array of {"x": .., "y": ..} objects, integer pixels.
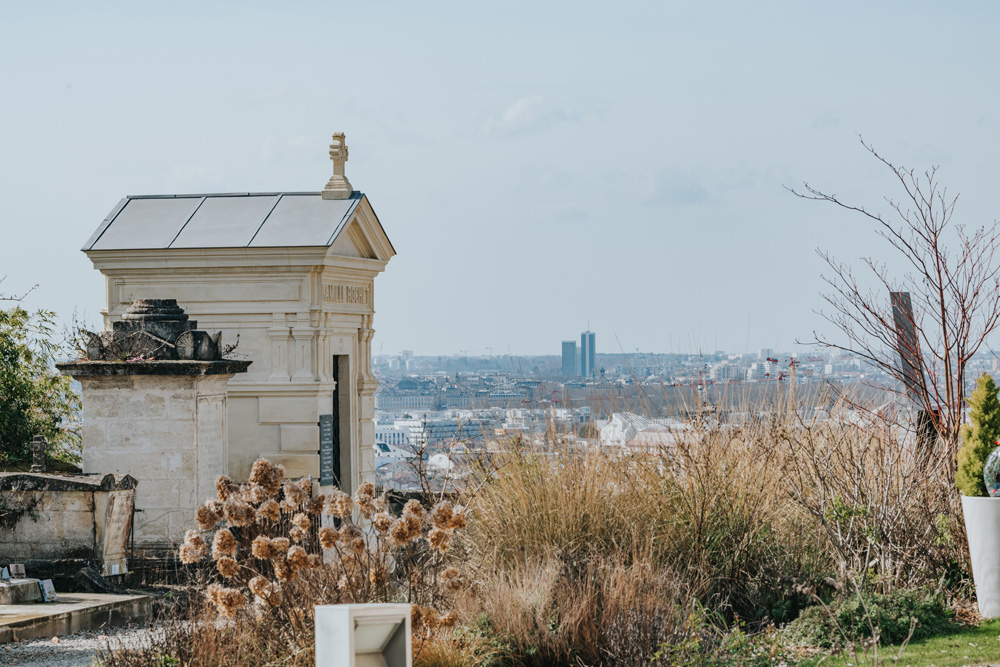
[{"x": 69, "y": 651}]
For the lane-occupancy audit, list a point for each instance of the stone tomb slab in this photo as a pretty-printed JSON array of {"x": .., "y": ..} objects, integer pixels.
[
  {"x": 19, "y": 591},
  {"x": 72, "y": 613}
]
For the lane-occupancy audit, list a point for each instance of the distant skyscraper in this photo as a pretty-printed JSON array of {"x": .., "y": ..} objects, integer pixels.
[
  {"x": 588, "y": 367},
  {"x": 569, "y": 358}
]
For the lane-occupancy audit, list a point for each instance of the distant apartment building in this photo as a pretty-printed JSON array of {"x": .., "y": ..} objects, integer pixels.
[
  {"x": 588, "y": 367},
  {"x": 569, "y": 366}
]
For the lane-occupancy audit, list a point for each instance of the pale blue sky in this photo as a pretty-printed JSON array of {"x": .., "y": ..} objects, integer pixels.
[{"x": 537, "y": 165}]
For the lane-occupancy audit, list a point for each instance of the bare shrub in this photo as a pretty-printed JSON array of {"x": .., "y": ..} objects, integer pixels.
[{"x": 274, "y": 562}]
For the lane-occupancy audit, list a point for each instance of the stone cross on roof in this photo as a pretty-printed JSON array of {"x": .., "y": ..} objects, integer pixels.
[{"x": 338, "y": 187}]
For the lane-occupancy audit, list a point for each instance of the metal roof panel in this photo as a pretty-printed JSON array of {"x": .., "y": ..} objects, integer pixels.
[
  {"x": 305, "y": 220},
  {"x": 146, "y": 223},
  {"x": 225, "y": 222}
]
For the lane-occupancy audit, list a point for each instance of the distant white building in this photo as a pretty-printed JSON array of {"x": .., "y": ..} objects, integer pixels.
[
  {"x": 627, "y": 429},
  {"x": 386, "y": 454}
]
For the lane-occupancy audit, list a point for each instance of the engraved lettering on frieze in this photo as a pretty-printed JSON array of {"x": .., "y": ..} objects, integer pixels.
[{"x": 349, "y": 294}]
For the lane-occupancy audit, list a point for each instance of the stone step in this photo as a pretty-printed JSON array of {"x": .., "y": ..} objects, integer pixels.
[{"x": 20, "y": 591}]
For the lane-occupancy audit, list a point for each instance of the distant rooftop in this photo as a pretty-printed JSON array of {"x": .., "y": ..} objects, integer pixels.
[{"x": 224, "y": 220}]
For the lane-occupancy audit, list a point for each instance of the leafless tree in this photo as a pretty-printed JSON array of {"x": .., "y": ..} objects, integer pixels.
[{"x": 954, "y": 280}]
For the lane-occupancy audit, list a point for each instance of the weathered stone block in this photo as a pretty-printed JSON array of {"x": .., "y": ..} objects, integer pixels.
[
  {"x": 299, "y": 438},
  {"x": 286, "y": 410}
]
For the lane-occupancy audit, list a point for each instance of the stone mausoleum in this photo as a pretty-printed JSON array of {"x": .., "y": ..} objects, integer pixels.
[{"x": 290, "y": 276}]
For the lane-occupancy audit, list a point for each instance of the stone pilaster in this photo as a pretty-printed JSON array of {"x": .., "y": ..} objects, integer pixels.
[{"x": 278, "y": 334}]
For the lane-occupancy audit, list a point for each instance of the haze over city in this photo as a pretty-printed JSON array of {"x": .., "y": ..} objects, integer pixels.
[{"x": 541, "y": 168}]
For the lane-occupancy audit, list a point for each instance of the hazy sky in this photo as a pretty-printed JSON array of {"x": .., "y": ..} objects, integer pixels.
[{"x": 537, "y": 165}]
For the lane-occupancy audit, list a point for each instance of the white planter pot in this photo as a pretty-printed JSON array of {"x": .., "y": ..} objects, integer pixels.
[{"x": 982, "y": 525}]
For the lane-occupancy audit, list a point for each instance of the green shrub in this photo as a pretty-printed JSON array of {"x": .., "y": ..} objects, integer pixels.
[
  {"x": 851, "y": 619},
  {"x": 979, "y": 437}
]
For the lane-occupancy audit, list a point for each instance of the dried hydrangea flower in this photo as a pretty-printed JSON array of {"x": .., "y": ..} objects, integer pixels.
[
  {"x": 227, "y": 601},
  {"x": 297, "y": 534},
  {"x": 457, "y": 520},
  {"x": 206, "y": 518},
  {"x": 441, "y": 514},
  {"x": 294, "y": 495},
  {"x": 262, "y": 548},
  {"x": 377, "y": 576},
  {"x": 283, "y": 571},
  {"x": 197, "y": 541},
  {"x": 267, "y": 475},
  {"x": 260, "y": 587},
  {"x": 315, "y": 505},
  {"x": 306, "y": 484},
  {"x": 328, "y": 537},
  {"x": 227, "y": 567},
  {"x": 225, "y": 487},
  {"x": 416, "y": 617},
  {"x": 415, "y": 509},
  {"x": 357, "y": 547},
  {"x": 224, "y": 544},
  {"x": 268, "y": 511},
  {"x": 438, "y": 539},
  {"x": 215, "y": 505},
  {"x": 315, "y": 561},
  {"x": 339, "y": 504},
  {"x": 382, "y": 522},
  {"x": 366, "y": 505},
  {"x": 257, "y": 494},
  {"x": 350, "y": 532},
  {"x": 281, "y": 545},
  {"x": 382, "y": 503},
  {"x": 239, "y": 513},
  {"x": 302, "y": 521},
  {"x": 298, "y": 558},
  {"x": 400, "y": 532},
  {"x": 189, "y": 554}
]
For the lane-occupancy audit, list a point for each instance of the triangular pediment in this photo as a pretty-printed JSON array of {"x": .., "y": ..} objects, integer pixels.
[{"x": 362, "y": 236}]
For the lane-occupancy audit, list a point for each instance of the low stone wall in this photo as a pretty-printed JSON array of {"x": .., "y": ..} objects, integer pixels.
[{"x": 54, "y": 517}]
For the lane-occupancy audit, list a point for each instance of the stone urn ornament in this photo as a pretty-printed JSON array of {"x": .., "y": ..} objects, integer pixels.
[{"x": 978, "y": 480}]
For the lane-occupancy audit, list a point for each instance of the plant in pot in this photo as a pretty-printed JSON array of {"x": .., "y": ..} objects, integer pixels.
[{"x": 978, "y": 479}]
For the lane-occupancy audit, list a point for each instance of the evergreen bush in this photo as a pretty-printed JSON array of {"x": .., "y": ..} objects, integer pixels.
[{"x": 979, "y": 437}]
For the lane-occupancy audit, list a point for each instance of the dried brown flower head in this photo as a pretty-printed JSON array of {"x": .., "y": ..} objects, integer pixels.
[
  {"x": 239, "y": 513},
  {"x": 441, "y": 514},
  {"x": 262, "y": 548},
  {"x": 382, "y": 522},
  {"x": 315, "y": 561},
  {"x": 283, "y": 570},
  {"x": 382, "y": 503},
  {"x": 302, "y": 521},
  {"x": 215, "y": 505},
  {"x": 297, "y": 534},
  {"x": 227, "y": 567},
  {"x": 207, "y": 519},
  {"x": 438, "y": 539},
  {"x": 298, "y": 558},
  {"x": 225, "y": 487},
  {"x": 416, "y": 510},
  {"x": 367, "y": 489},
  {"x": 189, "y": 554},
  {"x": 350, "y": 532},
  {"x": 268, "y": 511},
  {"x": 416, "y": 617},
  {"x": 357, "y": 547},
  {"x": 366, "y": 505},
  {"x": 404, "y": 530},
  {"x": 315, "y": 505},
  {"x": 281, "y": 545},
  {"x": 195, "y": 540},
  {"x": 224, "y": 544},
  {"x": 267, "y": 475},
  {"x": 457, "y": 520},
  {"x": 294, "y": 495},
  {"x": 227, "y": 601},
  {"x": 328, "y": 537},
  {"x": 265, "y": 590},
  {"x": 306, "y": 484},
  {"x": 339, "y": 504},
  {"x": 257, "y": 494}
]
